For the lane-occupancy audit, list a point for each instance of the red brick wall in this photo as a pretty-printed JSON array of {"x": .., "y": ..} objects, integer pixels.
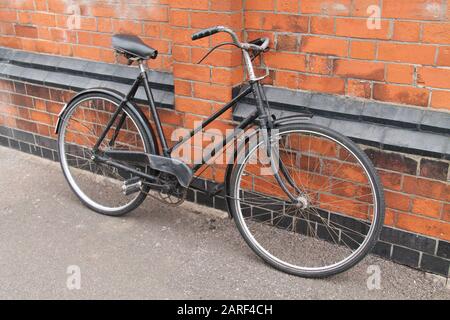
[
  {"x": 53, "y": 26},
  {"x": 326, "y": 46},
  {"x": 319, "y": 45}
]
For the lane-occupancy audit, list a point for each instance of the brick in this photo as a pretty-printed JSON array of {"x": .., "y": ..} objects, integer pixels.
[
  {"x": 363, "y": 50},
  {"x": 22, "y": 101},
  {"x": 436, "y": 33},
  {"x": 424, "y": 226},
  {"x": 220, "y": 58},
  {"x": 286, "y": 79},
  {"x": 26, "y": 31},
  {"x": 193, "y": 4},
  {"x": 331, "y": 8},
  {"x": 56, "y": 6},
  {"x": 357, "y": 28},
  {"x": 435, "y": 265},
  {"x": 440, "y": 99},
  {"x": 252, "y": 20},
  {"x": 443, "y": 58},
  {"x": 207, "y": 19},
  {"x": 320, "y": 65},
  {"x": 170, "y": 117},
  {"x": 359, "y": 69},
  {"x": 104, "y": 25},
  {"x": 226, "y": 76},
  {"x": 179, "y": 18},
  {"x": 360, "y": 7},
  {"x": 426, "y": 188},
  {"x": 427, "y": 207},
  {"x": 322, "y": 25},
  {"x": 220, "y": 5},
  {"x": 181, "y": 53},
  {"x": 38, "y": 91},
  {"x": 43, "y": 19},
  {"x": 321, "y": 84},
  {"x": 183, "y": 87},
  {"x": 412, "y": 53},
  {"x": 127, "y": 26},
  {"x": 287, "y": 42},
  {"x": 405, "y": 256},
  {"x": 287, "y": 6},
  {"x": 88, "y": 24},
  {"x": 183, "y": 37},
  {"x": 291, "y": 23},
  {"x": 398, "y": 73},
  {"x": 391, "y": 180},
  {"x": 267, "y": 5},
  {"x": 397, "y": 201},
  {"x": 287, "y": 61},
  {"x": 412, "y": 9},
  {"x": 446, "y": 213},
  {"x": 392, "y": 161},
  {"x": 401, "y": 94},
  {"x": 193, "y": 105},
  {"x": 434, "y": 77},
  {"x": 41, "y": 117},
  {"x": 26, "y": 125},
  {"x": 8, "y": 15},
  {"x": 212, "y": 92},
  {"x": 406, "y": 31},
  {"x": 358, "y": 88},
  {"x": 434, "y": 169},
  {"x": 390, "y": 217},
  {"x": 327, "y": 46}
]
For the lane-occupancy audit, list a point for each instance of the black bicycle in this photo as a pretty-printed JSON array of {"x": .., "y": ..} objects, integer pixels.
[{"x": 305, "y": 198}]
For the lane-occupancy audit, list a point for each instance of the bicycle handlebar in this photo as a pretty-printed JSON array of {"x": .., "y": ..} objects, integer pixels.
[
  {"x": 246, "y": 46},
  {"x": 205, "y": 33}
]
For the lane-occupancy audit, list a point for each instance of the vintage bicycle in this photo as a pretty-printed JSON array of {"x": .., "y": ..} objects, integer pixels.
[{"x": 305, "y": 198}]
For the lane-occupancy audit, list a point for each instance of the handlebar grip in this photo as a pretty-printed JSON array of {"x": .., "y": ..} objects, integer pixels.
[{"x": 205, "y": 33}]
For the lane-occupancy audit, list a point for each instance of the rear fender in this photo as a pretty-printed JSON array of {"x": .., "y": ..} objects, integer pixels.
[{"x": 131, "y": 107}]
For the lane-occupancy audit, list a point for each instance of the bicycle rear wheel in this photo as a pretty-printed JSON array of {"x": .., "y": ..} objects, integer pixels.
[
  {"x": 340, "y": 209},
  {"x": 98, "y": 185}
]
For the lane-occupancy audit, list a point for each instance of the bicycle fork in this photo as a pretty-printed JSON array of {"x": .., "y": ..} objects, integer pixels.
[{"x": 268, "y": 139}]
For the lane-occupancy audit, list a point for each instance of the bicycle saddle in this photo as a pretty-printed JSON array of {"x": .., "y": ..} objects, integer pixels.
[{"x": 133, "y": 46}]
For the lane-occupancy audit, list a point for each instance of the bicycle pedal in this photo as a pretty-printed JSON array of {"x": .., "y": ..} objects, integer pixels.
[
  {"x": 132, "y": 181},
  {"x": 132, "y": 186}
]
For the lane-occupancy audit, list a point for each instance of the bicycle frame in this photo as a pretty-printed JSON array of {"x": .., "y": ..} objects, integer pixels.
[
  {"x": 255, "y": 88},
  {"x": 260, "y": 116}
]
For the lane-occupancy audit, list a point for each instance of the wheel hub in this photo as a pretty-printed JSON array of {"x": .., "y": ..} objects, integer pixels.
[{"x": 302, "y": 202}]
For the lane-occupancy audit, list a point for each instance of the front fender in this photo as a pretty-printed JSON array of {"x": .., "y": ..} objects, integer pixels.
[
  {"x": 291, "y": 119},
  {"x": 130, "y": 106}
]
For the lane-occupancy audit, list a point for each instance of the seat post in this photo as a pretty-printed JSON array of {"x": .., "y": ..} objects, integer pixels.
[{"x": 142, "y": 66}]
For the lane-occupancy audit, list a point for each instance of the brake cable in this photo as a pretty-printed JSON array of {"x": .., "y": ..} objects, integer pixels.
[{"x": 216, "y": 47}]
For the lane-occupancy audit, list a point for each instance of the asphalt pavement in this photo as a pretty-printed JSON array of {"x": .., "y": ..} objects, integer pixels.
[{"x": 52, "y": 247}]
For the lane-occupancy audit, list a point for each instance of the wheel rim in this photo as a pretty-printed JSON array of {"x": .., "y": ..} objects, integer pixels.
[
  {"x": 97, "y": 185},
  {"x": 267, "y": 204}
]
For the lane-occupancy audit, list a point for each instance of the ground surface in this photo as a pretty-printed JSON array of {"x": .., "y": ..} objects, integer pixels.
[{"x": 156, "y": 252}]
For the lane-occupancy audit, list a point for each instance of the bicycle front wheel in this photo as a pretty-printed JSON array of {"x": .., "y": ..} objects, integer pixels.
[{"x": 339, "y": 208}]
